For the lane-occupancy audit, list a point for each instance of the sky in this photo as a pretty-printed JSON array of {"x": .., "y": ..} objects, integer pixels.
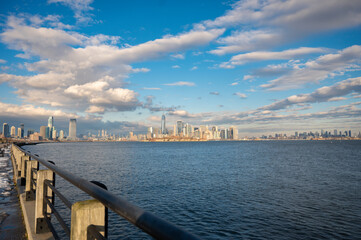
[{"x": 264, "y": 66}]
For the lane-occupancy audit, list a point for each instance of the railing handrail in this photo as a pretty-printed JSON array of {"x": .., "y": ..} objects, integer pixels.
[{"x": 149, "y": 223}]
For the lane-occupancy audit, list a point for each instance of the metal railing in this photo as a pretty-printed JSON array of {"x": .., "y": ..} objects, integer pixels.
[{"x": 40, "y": 186}]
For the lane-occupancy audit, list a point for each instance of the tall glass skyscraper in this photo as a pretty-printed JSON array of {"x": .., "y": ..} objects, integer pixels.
[
  {"x": 162, "y": 127},
  {"x": 22, "y": 130},
  {"x": 72, "y": 129},
  {"x": 179, "y": 127},
  {"x": 51, "y": 122},
  {"x": 6, "y": 130}
]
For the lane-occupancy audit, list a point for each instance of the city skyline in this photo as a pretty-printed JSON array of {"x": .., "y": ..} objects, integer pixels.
[{"x": 261, "y": 66}]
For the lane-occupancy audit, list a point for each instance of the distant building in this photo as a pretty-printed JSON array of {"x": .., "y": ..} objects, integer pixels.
[
  {"x": 42, "y": 132},
  {"x": 233, "y": 133},
  {"x": 72, "y": 129},
  {"x": 51, "y": 122},
  {"x": 13, "y": 131},
  {"x": 61, "y": 135},
  {"x": 163, "y": 127},
  {"x": 30, "y": 131},
  {"x": 19, "y": 132},
  {"x": 54, "y": 134},
  {"x": 48, "y": 133},
  {"x": 22, "y": 130},
  {"x": 6, "y": 132},
  {"x": 179, "y": 128}
]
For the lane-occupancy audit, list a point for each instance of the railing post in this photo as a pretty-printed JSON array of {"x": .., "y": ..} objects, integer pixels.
[
  {"x": 29, "y": 187},
  {"x": 13, "y": 160},
  {"x": 40, "y": 222},
  {"x": 84, "y": 214},
  {"x": 23, "y": 162}
]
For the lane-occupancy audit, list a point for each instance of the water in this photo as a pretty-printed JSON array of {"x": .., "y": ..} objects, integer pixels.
[{"x": 225, "y": 190}]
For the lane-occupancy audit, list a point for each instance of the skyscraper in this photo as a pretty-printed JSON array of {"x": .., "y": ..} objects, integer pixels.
[
  {"x": 6, "y": 130},
  {"x": 179, "y": 127},
  {"x": 22, "y": 130},
  {"x": 162, "y": 127},
  {"x": 51, "y": 122},
  {"x": 72, "y": 129},
  {"x": 19, "y": 132},
  {"x": 43, "y": 132},
  {"x": 13, "y": 131},
  {"x": 50, "y": 126}
]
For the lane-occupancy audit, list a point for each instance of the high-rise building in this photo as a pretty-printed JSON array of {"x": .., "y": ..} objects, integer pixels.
[
  {"x": 349, "y": 133},
  {"x": 43, "y": 132},
  {"x": 30, "y": 131},
  {"x": 54, "y": 134},
  {"x": 19, "y": 132},
  {"x": 61, "y": 135},
  {"x": 51, "y": 122},
  {"x": 179, "y": 127},
  {"x": 72, "y": 129},
  {"x": 22, "y": 130},
  {"x": 233, "y": 133},
  {"x": 13, "y": 131},
  {"x": 6, "y": 130},
  {"x": 335, "y": 132},
  {"x": 163, "y": 127}
]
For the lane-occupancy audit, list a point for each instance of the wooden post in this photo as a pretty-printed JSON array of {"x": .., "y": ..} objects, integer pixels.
[
  {"x": 29, "y": 187},
  {"x": 40, "y": 223},
  {"x": 84, "y": 214},
  {"x": 23, "y": 162}
]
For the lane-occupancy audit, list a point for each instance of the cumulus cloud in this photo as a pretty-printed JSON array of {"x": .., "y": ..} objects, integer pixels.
[
  {"x": 175, "y": 66},
  {"x": 314, "y": 71},
  {"x": 274, "y": 22},
  {"x": 2, "y": 61},
  {"x": 214, "y": 93},
  {"x": 181, "y": 83},
  {"x": 263, "y": 56},
  {"x": 85, "y": 73},
  {"x": 323, "y": 94}
]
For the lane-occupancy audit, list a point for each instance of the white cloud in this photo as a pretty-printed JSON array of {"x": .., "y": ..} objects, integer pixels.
[
  {"x": 263, "y": 56},
  {"x": 81, "y": 8},
  {"x": 175, "y": 66},
  {"x": 178, "y": 56},
  {"x": 214, "y": 93},
  {"x": 27, "y": 110},
  {"x": 274, "y": 22},
  {"x": 74, "y": 67},
  {"x": 2, "y": 61},
  {"x": 247, "y": 40},
  {"x": 323, "y": 94},
  {"x": 314, "y": 71},
  {"x": 241, "y": 95},
  {"x": 194, "y": 68},
  {"x": 189, "y": 84},
  {"x": 149, "y": 88}
]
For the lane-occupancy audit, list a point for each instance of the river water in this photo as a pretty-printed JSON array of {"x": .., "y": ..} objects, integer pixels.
[{"x": 225, "y": 190}]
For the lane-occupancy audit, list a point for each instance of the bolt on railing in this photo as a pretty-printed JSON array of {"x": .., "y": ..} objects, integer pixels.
[{"x": 89, "y": 219}]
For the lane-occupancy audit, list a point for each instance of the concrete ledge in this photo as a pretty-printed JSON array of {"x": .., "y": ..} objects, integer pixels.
[{"x": 28, "y": 209}]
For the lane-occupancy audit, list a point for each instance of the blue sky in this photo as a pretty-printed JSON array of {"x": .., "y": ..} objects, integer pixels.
[{"x": 263, "y": 66}]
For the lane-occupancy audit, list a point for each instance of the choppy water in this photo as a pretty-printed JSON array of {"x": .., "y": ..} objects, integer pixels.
[{"x": 226, "y": 190}]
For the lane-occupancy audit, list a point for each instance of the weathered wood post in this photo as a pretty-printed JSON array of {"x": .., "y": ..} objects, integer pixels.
[
  {"x": 23, "y": 162},
  {"x": 84, "y": 214},
  {"x": 40, "y": 222},
  {"x": 29, "y": 186}
]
